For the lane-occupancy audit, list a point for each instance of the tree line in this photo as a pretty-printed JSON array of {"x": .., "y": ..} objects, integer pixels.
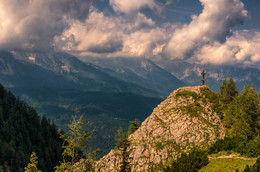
[{"x": 22, "y": 132}]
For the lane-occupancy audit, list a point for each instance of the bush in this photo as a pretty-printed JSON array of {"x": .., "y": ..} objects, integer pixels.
[
  {"x": 227, "y": 144},
  {"x": 249, "y": 148},
  {"x": 254, "y": 168}
]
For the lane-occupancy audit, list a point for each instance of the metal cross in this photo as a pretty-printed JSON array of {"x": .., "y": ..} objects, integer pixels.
[{"x": 203, "y": 77}]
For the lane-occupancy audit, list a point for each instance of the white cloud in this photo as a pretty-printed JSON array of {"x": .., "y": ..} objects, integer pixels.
[
  {"x": 145, "y": 43},
  {"x": 69, "y": 26},
  {"x": 130, "y": 6},
  {"x": 32, "y": 24},
  {"x": 98, "y": 34},
  {"x": 243, "y": 47},
  {"x": 114, "y": 36},
  {"x": 213, "y": 24}
]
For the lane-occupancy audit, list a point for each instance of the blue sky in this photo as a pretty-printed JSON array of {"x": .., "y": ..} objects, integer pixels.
[
  {"x": 198, "y": 31},
  {"x": 181, "y": 10}
]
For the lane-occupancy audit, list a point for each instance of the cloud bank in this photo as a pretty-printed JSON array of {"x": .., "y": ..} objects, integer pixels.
[
  {"x": 33, "y": 24},
  {"x": 242, "y": 47},
  {"x": 213, "y": 24},
  {"x": 79, "y": 28},
  {"x": 120, "y": 36}
]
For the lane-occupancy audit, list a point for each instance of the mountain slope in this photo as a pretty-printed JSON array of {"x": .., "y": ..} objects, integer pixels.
[
  {"x": 61, "y": 70},
  {"x": 22, "y": 132},
  {"x": 142, "y": 72},
  {"x": 106, "y": 111},
  {"x": 187, "y": 118},
  {"x": 14, "y": 73}
]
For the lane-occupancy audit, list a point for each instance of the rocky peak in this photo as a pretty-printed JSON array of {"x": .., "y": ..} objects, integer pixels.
[{"x": 188, "y": 118}]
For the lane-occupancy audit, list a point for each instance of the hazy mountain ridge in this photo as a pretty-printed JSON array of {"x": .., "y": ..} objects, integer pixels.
[
  {"x": 181, "y": 73},
  {"x": 72, "y": 72},
  {"x": 139, "y": 71},
  {"x": 191, "y": 73}
]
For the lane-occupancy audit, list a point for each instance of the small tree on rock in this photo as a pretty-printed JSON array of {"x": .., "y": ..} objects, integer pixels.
[
  {"x": 76, "y": 139},
  {"x": 122, "y": 148}
]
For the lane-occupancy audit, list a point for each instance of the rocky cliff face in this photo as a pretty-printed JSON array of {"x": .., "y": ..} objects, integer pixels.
[{"x": 189, "y": 117}]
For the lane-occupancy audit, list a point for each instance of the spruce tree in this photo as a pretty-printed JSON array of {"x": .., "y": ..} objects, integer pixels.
[
  {"x": 243, "y": 113},
  {"x": 122, "y": 148},
  {"x": 228, "y": 90}
]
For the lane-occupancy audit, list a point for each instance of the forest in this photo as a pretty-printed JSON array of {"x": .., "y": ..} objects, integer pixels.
[{"x": 22, "y": 132}]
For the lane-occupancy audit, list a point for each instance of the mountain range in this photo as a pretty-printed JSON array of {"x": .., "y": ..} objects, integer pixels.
[{"x": 110, "y": 92}]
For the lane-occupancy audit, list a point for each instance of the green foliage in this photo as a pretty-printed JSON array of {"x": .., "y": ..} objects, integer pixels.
[
  {"x": 32, "y": 166},
  {"x": 159, "y": 145},
  {"x": 187, "y": 94},
  {"x": 227, "y": 165},
  {"x": 214, "y": 99},
  {"x": 122, "y": 147},
  {"x": 76, "y": 139},
  {"x": 227, "y": 144},
  {"x": 107, "y": 111},
  {"x": 249, "y": 148},
  {"x": 228, "y": 90},
  {"x": 22, "y": 132},
  {"x": 254, "y": 168},
  {"x": 242, "y": 115},
  {"x": 188, "y": 162},
  {"x": 252, "y": 148},
  {"x": 193, "y": 109},
  {"x": 134, "y": 125}
]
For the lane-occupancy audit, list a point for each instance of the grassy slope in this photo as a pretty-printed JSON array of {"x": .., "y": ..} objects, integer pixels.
[{"x": 227, "y": 162}]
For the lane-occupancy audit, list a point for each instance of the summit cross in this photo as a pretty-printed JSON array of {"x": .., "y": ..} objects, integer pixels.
[{"x": 203, "y": 73}]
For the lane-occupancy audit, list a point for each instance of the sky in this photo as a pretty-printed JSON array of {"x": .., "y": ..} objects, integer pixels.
[{"x": 198, "y": 31}]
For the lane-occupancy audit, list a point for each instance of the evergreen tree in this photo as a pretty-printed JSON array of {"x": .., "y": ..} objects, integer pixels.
[
  {"x": 22, "y": 132},
  {"x": 134, "y": 125},
  {"x": 122, "y": 147},
  {"x": 76, "y": 139},
  {"x": 32, "y": 166},
  {"x": 228, "y": 90},
  {"x": 242, "y": 114},
  {"x": 191, "y": 162}
]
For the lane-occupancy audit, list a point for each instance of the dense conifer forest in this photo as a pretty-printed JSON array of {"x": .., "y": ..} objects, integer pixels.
[{"x": 22, "y": 132}]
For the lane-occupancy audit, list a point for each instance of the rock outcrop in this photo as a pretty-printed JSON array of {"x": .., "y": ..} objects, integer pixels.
[{"x": 189, "y": 117}]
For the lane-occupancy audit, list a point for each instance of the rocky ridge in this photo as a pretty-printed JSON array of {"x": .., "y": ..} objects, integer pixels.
[{"x": 189, "y": 117}]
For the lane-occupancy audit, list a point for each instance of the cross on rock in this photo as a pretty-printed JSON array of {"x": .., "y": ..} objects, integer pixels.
[{"x": 203, "y": 73}]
